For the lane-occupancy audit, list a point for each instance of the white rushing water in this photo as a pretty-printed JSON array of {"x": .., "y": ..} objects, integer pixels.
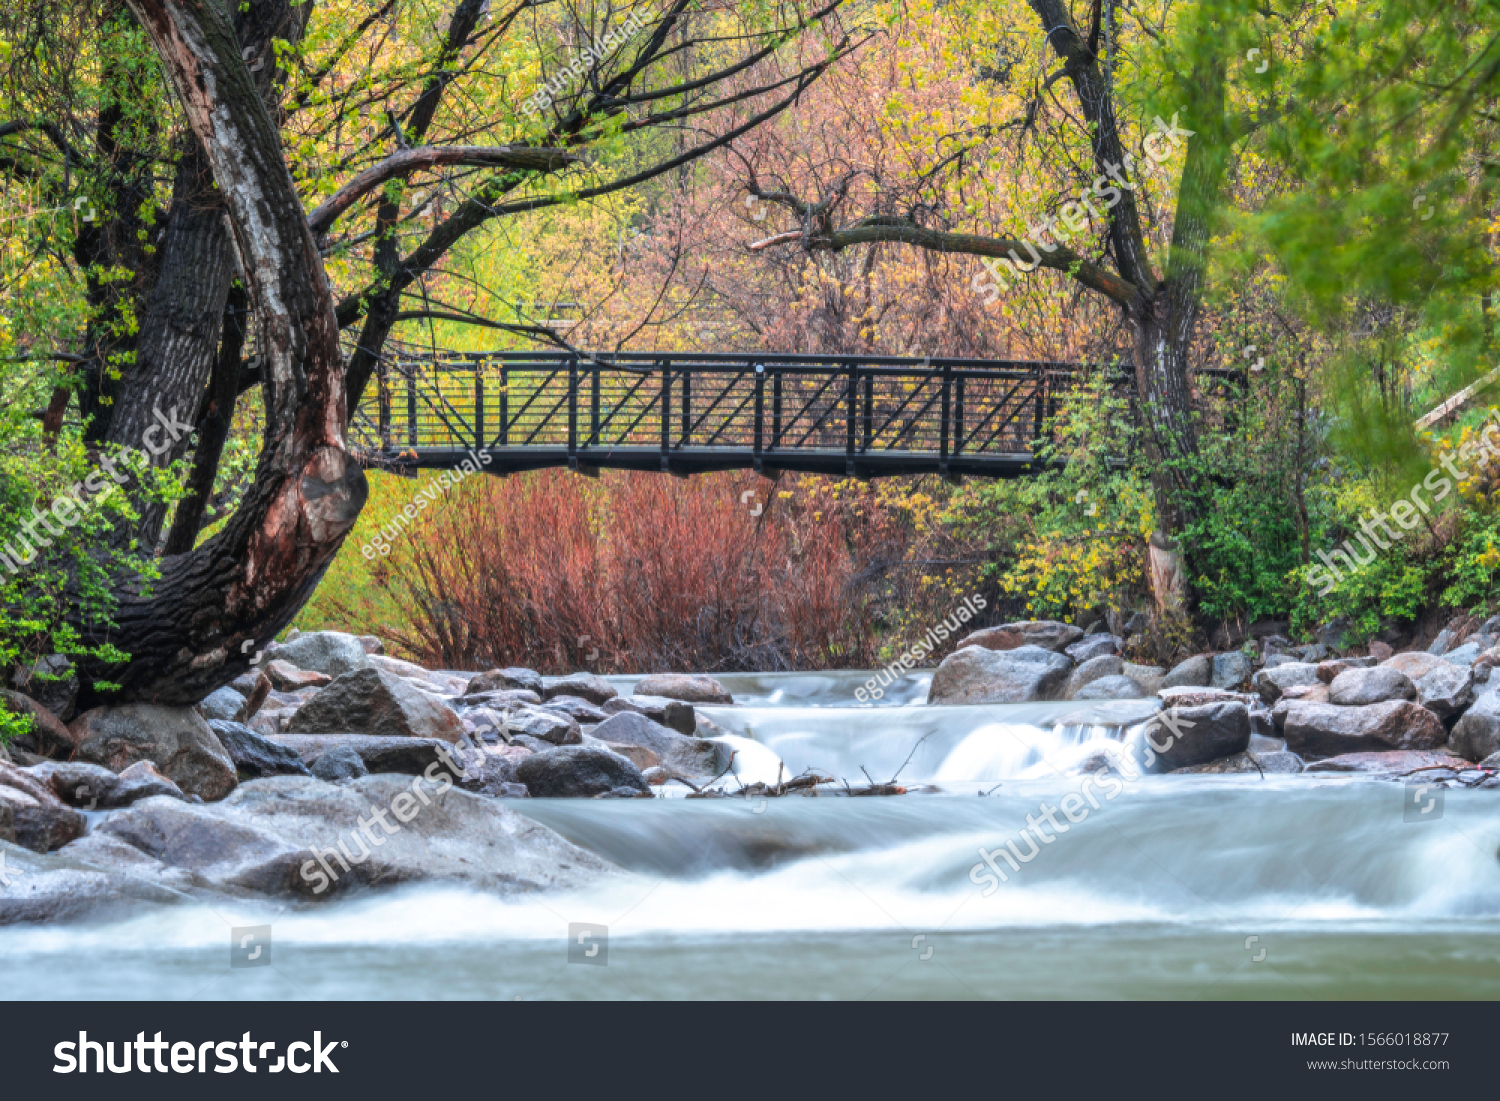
[{"x": 1183, "y": 887}]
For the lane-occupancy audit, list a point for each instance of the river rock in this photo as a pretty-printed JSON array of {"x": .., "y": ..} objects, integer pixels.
[
  {"x": 673, "y": 714},
  {"x": 493, "y": 773},
  {"x": 690, "y": 757},
  {"x": 371, "y": 644},
  {"x": 1149, "y": 677},
  {"x": 689, "y": 688},
  {"x": 340, "y": 763},
  {"x": 1465, "y": 654},
  {"x": 1196, "y": 672},
  {"x": 1330, "y": 730},
  {"x": 48, "y": 736},
  {"x": 1477, "y": 734},
  {"x": 1393, "y": 763},
  {"x": 578, "y": 771},
  {"x": 1046, "y": 633},
  {"x": 1277, "y": 761},
  {"x": 978, "y": 674},
  {"x": 552, "y": 727},
  {"x": 255, "y": 756},
  {"x": 54, "y": 889},
  {"x": 500, "y": 699},
  {"x": 1232, "y": 669},
  {"x": 286, "y": 677},
  {"x": 411, "y": 756},
  {"x": 1093, "y": 646},
  {"x": 371, "y": 702},
  {"x": 1184, "y": 696},
  {"x": 1116, "y": 687},
  {"x": 1272, "y": 682},
  {"x": 223, "y": 704},
  {"x": 576, "y": 708},
  {"x": 31, "y": 815},
  {"x": 513, "y": 678},
  {"x": 260, "y": 690},
  {"x": 1380, "y": 651},
  {"x": 638, "y": 755},
  {"x": 1328, "y": 670},
  {"x": 1442, "y": 687},
  {"x": 176, "y": 740},
  {"x": 1105, "y": 665},
  {"x": 1197, "y": 735},
  {"x": 51, "y": 682},
  {"x": 1356, "y": 687},
  {"x": 330, "y": 652},
  {"x": 587, "y": 686}
]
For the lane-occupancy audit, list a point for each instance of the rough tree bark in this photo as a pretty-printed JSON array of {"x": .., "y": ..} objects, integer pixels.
[{"x": 203, "y": 620}]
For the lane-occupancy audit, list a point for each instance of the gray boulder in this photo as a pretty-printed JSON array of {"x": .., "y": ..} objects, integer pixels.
[
  {"x": 1149, "y": 677},
  {"x": 576, "y": 708},
  {"x": 255, "y": 756},
  {"x": 1197, "y": 735},
  {"x": 411, "y": 756},
  {"x": 1046, "y": 633},
  {"x": 175, "y": 739},
  {"x": 1442, "y": 687},
  {"x": 31, "y": 815},
  {"x": 54, "y": 889},
  {"x": 223, "y": 705},
  {"x": 1271, "y": 682},
  {"x": 93, "y": 787},
  {"x": 1232, "y": 669},
  {"x": 1093, "y": 646},
  {"x": 509, "y": 679},
  {"x": 1196, "y": 672},
  {"x": 587, "y": 686},
  {"x": 686, "y": 687},
  {"x": 1477, "y": 734},
  {"x": 690, "y": 757},
  {"x": 1393, "y": 763},
  {"x": 673, "y": 714},
  {"x": 1465, "y": 654},
  {"x": 1112, "y": 688},
  {"x": 1268, "y": 764},
  {"x": 340, "y": 763},
  {"x": 552, "y": 727},
  {"x": 1331, "y": 668},
  {"x": 1358, "y": 687},
  {"x": 493, "y": 773},
  {"x": 976, "y": 674},
  {"x": 578, "y": 771},
  {"x": 500, "y": 699},
  {"x": 371, "y": 702},
  {"x": 329, "y": 652},
  {"x": 1329, "y": 730},
  {"x": 1105, "y": 665}
]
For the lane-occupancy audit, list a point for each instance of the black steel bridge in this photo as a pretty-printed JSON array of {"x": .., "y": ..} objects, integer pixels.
[{"x": 688, "y": 413}]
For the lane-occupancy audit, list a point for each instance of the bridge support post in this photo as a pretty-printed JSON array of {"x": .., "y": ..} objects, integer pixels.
[
  {"x": 666, "y": 415},
  {"x": 943, "y": 416},
  {"x": 760, "y": 412}
]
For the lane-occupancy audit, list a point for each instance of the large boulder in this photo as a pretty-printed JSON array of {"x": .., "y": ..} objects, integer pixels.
[
  {"x": 176, "y": 740},
  {"x": 1442, "y": 687},
  {"x": 1093, "y": 646},
  {"x": 31, "y": 815},
  {"x": 1105, "y": 665},
  {"x": 329, "y": 652},
  {"x": 493, "y": 773},
  {"x": 1331, "y": 668},
  {"x": 1392, "y": 763},
  {"x": 51, "y": 682},
  {"x": 553, "y": 727},
  {"x": 286, "y": 677},
  {"x": 1477, "y": 734},
  {"x": 1260, "y": 764},
  {"x": 1272, "y": 681},
  {"x": 579, "y": 771},
  {"x": 587, "y": 686},
  {"x": 1358, "y": 687},
  {"x": 1046, "y": 633},
  {"x": 223, "y": 705},
  {"x": 673, "y": 714},
  {"x": 1232, "y": 669},
  {"x": 255, "y": 756},
  {"x": 48, "y": 737},
  {"x": 503, "y": 679},
  {"x": 368, "y": 701},
  {"x": 977, "y": 674},
  {"x": 94, "y": 787},
  {"x": 1197, "y": 735},
  {"x": 577, "y": 709},
  {"x": 1116, "y": 687},
  {"x": 689, "y": 757},
  {"x": 1196, "y": 672},
  {"x": 50, "y": 890},
  {"x": 412, "y": 756},
  {"x": 1149, "y": 677},
  {"x": 1329, "y": 730},
  {"x": 340, "y": 763},
  {"x": 684, "y": 686}
]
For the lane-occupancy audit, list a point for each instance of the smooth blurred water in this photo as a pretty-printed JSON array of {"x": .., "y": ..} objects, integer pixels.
[{"x": 1173, "y": 887}]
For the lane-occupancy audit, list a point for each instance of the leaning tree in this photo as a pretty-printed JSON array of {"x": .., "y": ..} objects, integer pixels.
[{"x": 373, "y": 144}]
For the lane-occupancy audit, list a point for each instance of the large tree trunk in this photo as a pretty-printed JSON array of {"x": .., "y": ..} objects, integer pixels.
[{"x": 213, "y": 608}]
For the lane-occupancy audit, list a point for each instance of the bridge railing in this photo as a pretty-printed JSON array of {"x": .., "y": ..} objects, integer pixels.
[{"x": 769, "y": 405}]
